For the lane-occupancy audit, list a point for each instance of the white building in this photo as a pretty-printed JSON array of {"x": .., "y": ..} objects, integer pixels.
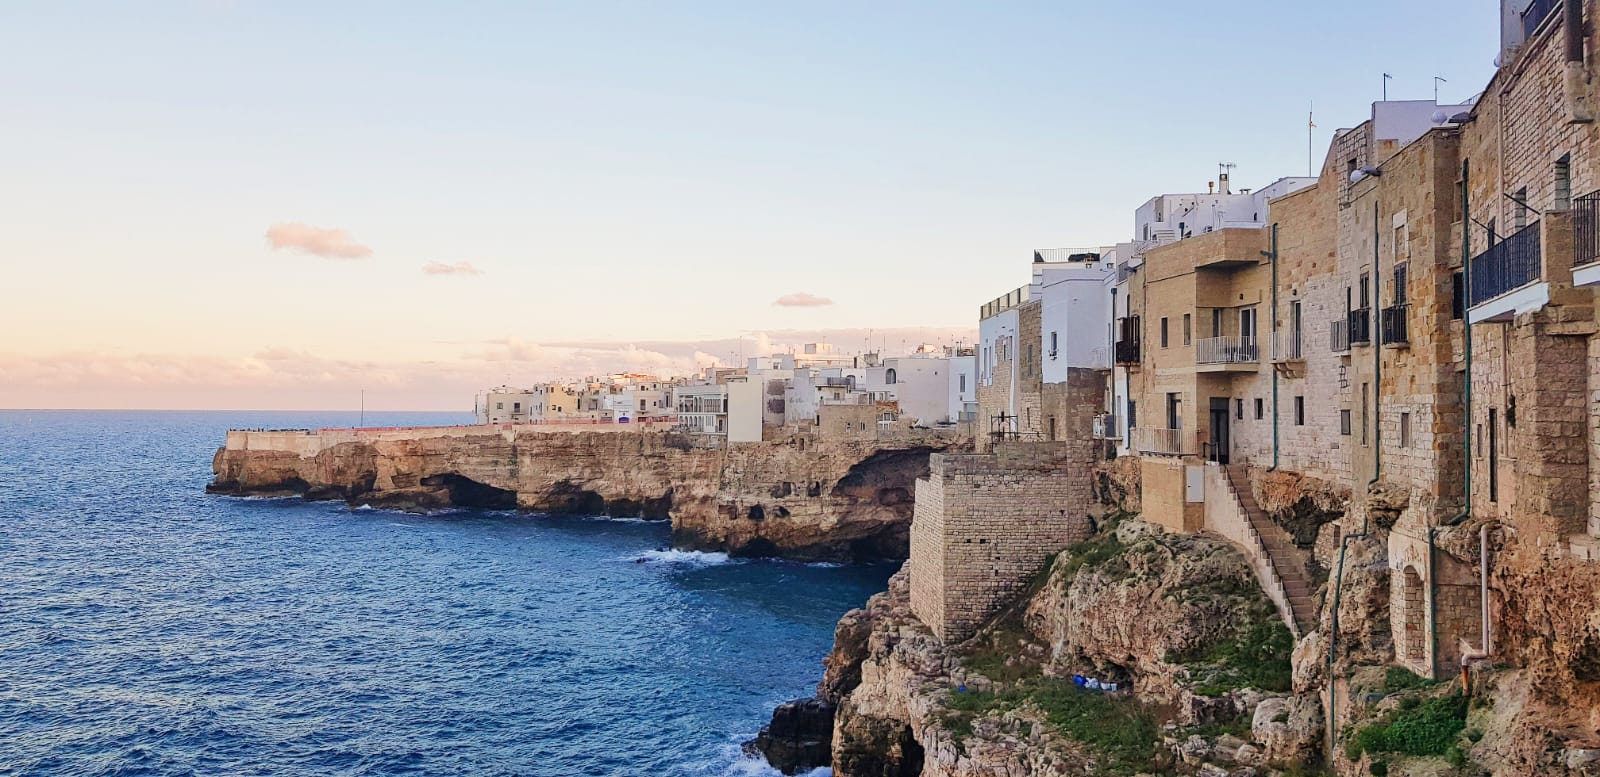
[
  {"x": 745, "y": 408},
  {"x": 702, "y": 407},
  {"x": 505, "y": 404}
]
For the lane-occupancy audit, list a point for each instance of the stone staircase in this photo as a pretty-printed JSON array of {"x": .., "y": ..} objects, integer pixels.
[{"x": 1286, "y": 559}]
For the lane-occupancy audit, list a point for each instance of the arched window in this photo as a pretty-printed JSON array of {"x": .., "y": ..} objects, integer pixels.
[{"x": 889, "y": 377}]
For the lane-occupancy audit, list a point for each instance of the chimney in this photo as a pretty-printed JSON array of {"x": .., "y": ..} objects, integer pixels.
[
  {"x": 1211, "y": 187},
  {"x": 1222, "y": 184}
]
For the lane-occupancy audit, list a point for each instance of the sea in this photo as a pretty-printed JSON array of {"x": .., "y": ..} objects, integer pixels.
[{"x": 148, "y": 628}]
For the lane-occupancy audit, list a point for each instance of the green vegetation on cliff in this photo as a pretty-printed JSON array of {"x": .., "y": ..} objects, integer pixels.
[
  {"x": 1427, "y": 727},
  {"x": 1120, "y": 731}
]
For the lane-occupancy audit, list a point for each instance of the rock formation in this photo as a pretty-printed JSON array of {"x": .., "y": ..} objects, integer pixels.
[
  {"x": 797, "y": 497},
  {"x": 1176, "y": 622}
]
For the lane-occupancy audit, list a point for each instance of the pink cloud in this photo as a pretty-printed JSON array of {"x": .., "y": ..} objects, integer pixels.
[
  {"x": 459, "y": 268},
  {"x": 315, "y": 241},
  {"x": 801, "y": 299}
]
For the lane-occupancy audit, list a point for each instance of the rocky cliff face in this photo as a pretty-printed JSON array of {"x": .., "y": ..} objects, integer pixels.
[
  {"x": 797, "y": 497},
  {"x": 1200, "y": 663}
]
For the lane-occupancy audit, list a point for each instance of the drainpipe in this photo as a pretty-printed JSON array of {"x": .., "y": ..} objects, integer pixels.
[
  {"x": 1333, "y": 633},
  {"x": 1466, "y": 337},
  {"x": 1274, "y": 254},
  {"x": 1486, "y": 644},
  {"x": 1578, "y": 111},
  {"x": 1377, "y": 357}
]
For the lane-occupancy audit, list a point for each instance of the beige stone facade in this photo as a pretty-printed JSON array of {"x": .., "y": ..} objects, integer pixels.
[{"x": 985, "y": 524}]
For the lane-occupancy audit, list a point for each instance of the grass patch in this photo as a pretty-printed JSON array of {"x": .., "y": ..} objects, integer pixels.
[
  {"x": 1120, "y": 731},
  {"x": 1001, "y": 657},
  {"x": 1255, "y": 656},
  {"x": 1428, "y": 728},
  {"x": 1398, "y": 679},
  {"x": 1092, "y": 553}
]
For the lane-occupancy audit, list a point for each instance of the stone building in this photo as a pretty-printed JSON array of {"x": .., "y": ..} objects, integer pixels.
[{"x": 986, "y": 523}]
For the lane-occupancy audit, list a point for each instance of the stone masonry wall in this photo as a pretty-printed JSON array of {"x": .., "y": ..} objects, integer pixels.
[{"x": 985, "y": 524}]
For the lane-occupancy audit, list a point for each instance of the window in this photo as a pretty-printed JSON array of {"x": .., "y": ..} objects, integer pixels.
[
  {"x": 963, "y": 384},
  {"x": 889, "y": 377},
  {"x": 1216, "y": 322},
  {"x": 1344, "y": 422},
  {"x": 1457, "y": 296},
  {"x": 1364, "y": 296},
  {"x": 1238, "y": 409},
  {"x": 1247, "y": 323},
  {"x": 1186, "y": 329},
  {"x": 1563, "y": 199},
  {"x": 516, "y": 407},
  {"x": 1260, "y": 409},
  {"x": 499, "y": 405},
  {"x": 1400, "y": 284},
  {"x": 1052, "y": 345},
  {"x": 1299, "y": 411},
  {"x": 1133, "y": 413},
  {"x": 1294, "y": 325},
  {"x": 1174, "y": 411},
  {"x": 1405, "y": 430},
  {"x": 1163, "y": 331},
  {"x": 1051, "y": 421}
]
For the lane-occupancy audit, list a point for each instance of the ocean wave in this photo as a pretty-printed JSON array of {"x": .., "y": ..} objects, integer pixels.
[
  {"x": 731, "y": 760},
  {"x": 686, "y": 557}
]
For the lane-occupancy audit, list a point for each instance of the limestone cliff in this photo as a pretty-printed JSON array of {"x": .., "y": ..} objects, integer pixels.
[
  {"x": 1200, "y": 663},
  {"x": 797, "y": 497}
]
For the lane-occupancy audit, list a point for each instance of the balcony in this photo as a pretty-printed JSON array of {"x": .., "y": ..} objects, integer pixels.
[
  {"x": 1126, "y": 351},
  {"x": 1107, "y": 427},
  {"x": 1505, "y": 278},
  {"x": 1286, "y": 346},
  {"x": 1159, "y": 442},
  {"x": 1586, "y": 230},
  {"x": 1360, "y": 326},
  {"x": 1392, "y": 326},
  {"x": 1339, "y": 335},
  {"x": 1221, "y": 354},
  {"x": 1099, "y": 358}
]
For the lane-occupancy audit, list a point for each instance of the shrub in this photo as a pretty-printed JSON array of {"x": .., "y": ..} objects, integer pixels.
[
  {"x": 1425, "y": 728},
  {"x": 1256, "y": 656},
  {"x": 1398, "y": 679}
]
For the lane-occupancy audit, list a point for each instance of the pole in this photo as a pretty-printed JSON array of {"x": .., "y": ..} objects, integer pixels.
[
  {"x": 1386, "y": 78},
  {"x": 1311, "y": 152}
]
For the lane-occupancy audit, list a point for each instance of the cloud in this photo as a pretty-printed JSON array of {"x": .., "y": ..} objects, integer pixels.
[
  {"x": 801, "y": 299},
  {"x": 459, "y": 268},
  {"x": 315, "y": 241}
]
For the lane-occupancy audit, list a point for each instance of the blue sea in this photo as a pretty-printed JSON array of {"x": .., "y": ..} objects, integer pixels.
[{"x": 147, "y": 628}]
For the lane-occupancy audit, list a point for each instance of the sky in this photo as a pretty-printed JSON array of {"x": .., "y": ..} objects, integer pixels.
[{"x": 278, "y": 205}]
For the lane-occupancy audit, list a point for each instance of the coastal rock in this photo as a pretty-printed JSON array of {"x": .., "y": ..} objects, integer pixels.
[
  {"x": 799, "y": 737},
  {"x": 797, "y": 497}
]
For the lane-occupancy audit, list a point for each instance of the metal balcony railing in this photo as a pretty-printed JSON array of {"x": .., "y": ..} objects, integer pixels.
[
  {"x": 1506, "y": 265},
  {"x": 1099, "y": 358},
  {"x": 1392, "y": 325},
  {"x": 1226, "y": 350},
  {"x": 1586, "y": 229},
  {"x": 1286, "y": 346},
  {"x": 1162, "y": 442},
  {"x": 1128, "y": 352},
  {"x": 1360, "y": 326},
  {"x": 1107, "y": 427},
  {"x": 1339, "y": 335}
]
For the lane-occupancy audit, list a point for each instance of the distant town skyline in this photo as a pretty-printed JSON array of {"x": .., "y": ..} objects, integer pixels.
[{"x": 248, "y": 205}]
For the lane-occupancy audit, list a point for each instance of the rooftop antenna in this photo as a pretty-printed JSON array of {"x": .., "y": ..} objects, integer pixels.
[
  {"x": 1386, "y": 78},
  {"x": 1436, "y": 81},
  {"x": 1223, "y": 185},
  {"x": 1311, "y": 153}
]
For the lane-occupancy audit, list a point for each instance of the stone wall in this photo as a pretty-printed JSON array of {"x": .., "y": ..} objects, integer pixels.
[{"x": 985, "y": 524}]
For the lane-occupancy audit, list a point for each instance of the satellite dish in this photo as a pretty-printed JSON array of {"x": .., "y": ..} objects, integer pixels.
[{"x": 1439, "y": 117}]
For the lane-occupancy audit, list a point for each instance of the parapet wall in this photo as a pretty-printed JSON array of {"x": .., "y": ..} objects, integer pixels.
[{"x": 985, "y": 524}]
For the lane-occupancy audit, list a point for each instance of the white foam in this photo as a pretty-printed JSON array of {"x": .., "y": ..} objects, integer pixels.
[
  {"x": 733, "y": 761},
  {"x": 687, "y": 557}
]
